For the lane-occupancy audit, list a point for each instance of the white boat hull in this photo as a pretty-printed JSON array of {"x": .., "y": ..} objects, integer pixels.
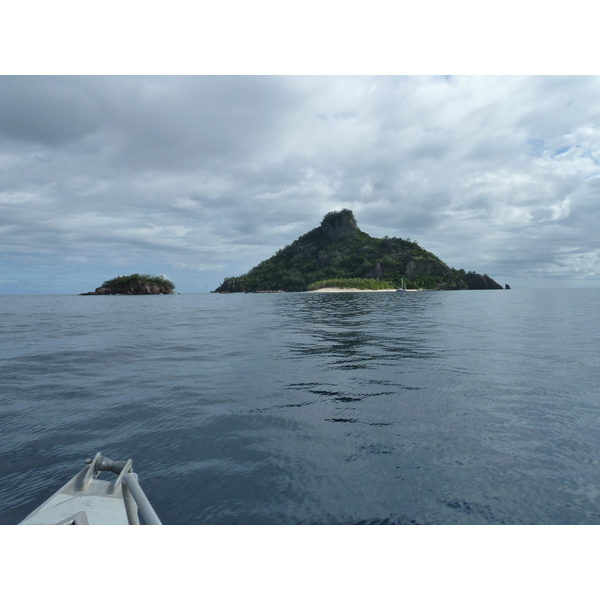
[
  {"x": 93, "y": 506},
  {"x": 86, "y": 500}
]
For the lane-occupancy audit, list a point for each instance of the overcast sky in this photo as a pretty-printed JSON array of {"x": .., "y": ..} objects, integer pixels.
[{"x": 202, "y": 177}]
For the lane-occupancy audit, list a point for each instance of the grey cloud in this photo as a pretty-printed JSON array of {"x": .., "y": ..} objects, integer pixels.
[
  {"x": 220, "y": 172},
  {"x": 46, "y": 110}
]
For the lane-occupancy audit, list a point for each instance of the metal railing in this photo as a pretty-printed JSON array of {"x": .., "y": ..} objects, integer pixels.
[
  {"x": 133, "y": 495},
  {"x": 131, "y": 482}
]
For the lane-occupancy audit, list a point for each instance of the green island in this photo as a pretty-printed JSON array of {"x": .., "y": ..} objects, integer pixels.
[
  {"x": 338, "y": 254},
  {"x": 133, "y": 285}
]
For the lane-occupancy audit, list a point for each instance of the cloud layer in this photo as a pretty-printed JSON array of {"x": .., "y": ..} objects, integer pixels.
[{"x": 198, "y": 178}]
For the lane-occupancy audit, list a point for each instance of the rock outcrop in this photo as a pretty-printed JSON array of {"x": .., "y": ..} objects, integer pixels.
[
  {"x": 336, "y": 225},
  {"x": 231, "y": 285},
  {"x": 131, "y": 288},
  {"x": 481, "y": 282}
]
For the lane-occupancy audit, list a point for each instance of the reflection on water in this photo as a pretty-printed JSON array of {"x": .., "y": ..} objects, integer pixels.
[
  {"x": 466, "y": 407},
  {"x": 352, "y": 334}
]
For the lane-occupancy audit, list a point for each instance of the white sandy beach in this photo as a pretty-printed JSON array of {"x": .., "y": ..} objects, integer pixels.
[{"x": 337, "y": 289}]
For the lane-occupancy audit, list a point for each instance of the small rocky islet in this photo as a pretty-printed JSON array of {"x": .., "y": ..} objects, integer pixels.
[{"x": 134, "y": 285}]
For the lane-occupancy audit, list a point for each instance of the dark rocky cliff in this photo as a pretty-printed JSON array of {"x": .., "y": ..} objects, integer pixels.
[
  {"x": 480, "y": 282},
  {"x": 336, "y": 225}
]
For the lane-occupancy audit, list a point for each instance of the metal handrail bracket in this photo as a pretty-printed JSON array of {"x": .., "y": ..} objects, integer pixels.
[{"x": 131, "y": 482}]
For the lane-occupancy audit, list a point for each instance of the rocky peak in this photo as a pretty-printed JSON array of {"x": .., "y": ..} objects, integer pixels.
[{"x": 337, "y": 224}]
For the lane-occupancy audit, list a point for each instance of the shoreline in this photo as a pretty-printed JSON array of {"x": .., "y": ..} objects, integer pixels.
[{"x": 330, "y": 290}]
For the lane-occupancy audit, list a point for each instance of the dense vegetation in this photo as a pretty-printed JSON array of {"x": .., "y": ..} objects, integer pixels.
[
  {"x": 149, "y": 279},
  {"x": 358, "y": 283},
  {"x": 339, "y": 250}
]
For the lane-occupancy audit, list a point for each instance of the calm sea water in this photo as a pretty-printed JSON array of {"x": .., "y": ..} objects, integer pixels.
[{"x": 469, "y": 407}]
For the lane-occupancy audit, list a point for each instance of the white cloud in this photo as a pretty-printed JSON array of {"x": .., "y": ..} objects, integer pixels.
[{"x": 185, "y": 203}]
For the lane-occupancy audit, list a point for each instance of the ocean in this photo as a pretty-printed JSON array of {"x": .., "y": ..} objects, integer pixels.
[{"x": 470, "y": 407}]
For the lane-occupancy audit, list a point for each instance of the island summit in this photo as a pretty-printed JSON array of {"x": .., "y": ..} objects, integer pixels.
[{"x": 339, "y": 254}]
